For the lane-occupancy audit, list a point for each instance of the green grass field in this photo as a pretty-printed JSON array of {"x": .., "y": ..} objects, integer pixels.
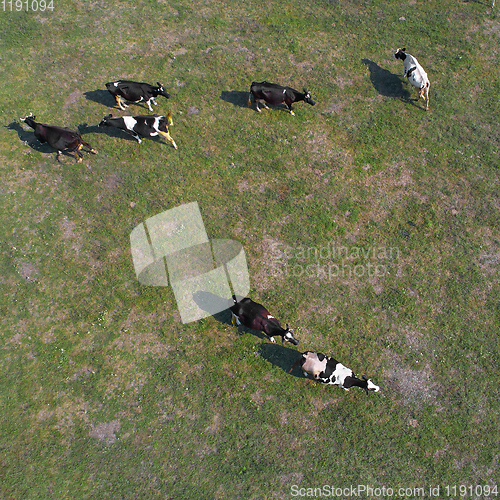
[{"x": 105, "y": 393}]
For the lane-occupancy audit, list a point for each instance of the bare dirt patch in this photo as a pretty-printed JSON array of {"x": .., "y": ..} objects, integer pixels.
[
  {"x": 271, "y": 267},
  {"x": 214, "y": 427},
  {"x": 416, "y": 387},
  {"x": 260, "y": 399},
  {"x": 105, "y": 432},
  {"x": 27, "y": 271},
  {"x": 69, "y": 232},
  {"x": 72, "y": 99}
]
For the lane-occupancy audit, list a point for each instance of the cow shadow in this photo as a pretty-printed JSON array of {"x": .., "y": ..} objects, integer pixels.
[
  {"x": 282, "y": 357},
  {"x": 115, "y": 133},
  {"x": 28, "y": 137},
  {"x": 106, "y": 99},
  {"x": 218, "y": 308},
  {"x": 236, "y": 97},
  {"x": 119, "y": 134},
  {"x": 101, "y": 97},
  {"x": 386, "y": 83}
]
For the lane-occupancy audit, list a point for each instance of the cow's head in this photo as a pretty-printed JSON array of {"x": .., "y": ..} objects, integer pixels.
[
  {"x": 161, "y": 90},
  {"x": 370, "y": 386},
  {"x": 104, "y": 121},
  {"x": 29, "y": 120},
  {"x": 29, "y": 116},
  {"x": 400, "y": 54},
  {"x": 308, "y": 98},
  {"x": 288, "y": 336},
  {"x": 165, "y": 122}
]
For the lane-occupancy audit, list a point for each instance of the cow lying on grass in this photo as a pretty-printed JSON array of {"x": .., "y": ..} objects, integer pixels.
[
  {"x": 415, "y": 74},
  {"x": 59, "y": 138},
  {"x": 329, "y": 371}
]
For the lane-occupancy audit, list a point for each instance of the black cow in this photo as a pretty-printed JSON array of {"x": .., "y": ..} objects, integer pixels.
[
  {"x": 135, "y": 92},
  {"x": 255, "y": 316},
  {"x": 142, "y": 126},
  {"x": 271, "y": 93},
  {"x": 59, "y": 138},
  {"x": 329, "y": 371}
]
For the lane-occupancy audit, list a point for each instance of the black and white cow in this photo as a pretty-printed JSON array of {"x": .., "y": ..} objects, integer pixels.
[
  {"x": 141, "y": 126},
  {"x": 255, "y": 316},
  {"x": 271, "y": 93},
  {"x": 135, "y": 92},
  {"x": 59, "y": 138},
  {"x": 329, "y": 371},
  {"x": 415, "y": 74}
]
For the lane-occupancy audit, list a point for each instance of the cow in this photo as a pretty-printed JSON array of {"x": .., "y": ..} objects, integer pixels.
[
  {"x": 329, "y": 371},
  {"x": 135, "y": 92},
  {"x": 271, "y": 93},
  {"x": 415, "y": 74},
  {"x": 59, "y": 138},
  {"x": 255, "y": 316},
  {"x": 145, "y": 126}
]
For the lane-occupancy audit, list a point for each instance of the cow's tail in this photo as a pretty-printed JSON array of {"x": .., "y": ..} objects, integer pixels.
[
  {"x": 295, "y": 364},
  {"x": 170, "y": 120}
]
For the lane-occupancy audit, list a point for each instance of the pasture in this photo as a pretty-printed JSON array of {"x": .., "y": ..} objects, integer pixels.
[{"x": 370, "y": 225}]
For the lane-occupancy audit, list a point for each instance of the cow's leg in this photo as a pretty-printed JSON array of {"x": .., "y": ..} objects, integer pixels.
[
  {"x": 262, "y": 102},
  {"x": 235, "y": 320},
  {"x": 148, "y": 102},
  {"x": 289, "y": 106},
  {"x": 135, "y": 136},
  {"x": 167, "y": 136},
  {"x": 422, "y": 94},
  {"x": 121, "y": 104},
  {"x": 77, "y": 153}
]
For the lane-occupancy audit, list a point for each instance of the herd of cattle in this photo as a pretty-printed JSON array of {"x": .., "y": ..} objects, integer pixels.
[
  {"x": 65, "y": 139},
  {"x": 245, "y": 312}
]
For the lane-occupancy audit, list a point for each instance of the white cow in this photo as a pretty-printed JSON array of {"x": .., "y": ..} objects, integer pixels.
[{"x": 415, "y": 74}]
